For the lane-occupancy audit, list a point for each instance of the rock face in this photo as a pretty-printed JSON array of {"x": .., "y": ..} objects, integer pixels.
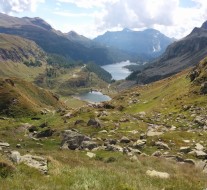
[
  {"x": 37, "y": 162},
  {"x": 162, "y": 175},
  {"x": 74, "y": 140}
]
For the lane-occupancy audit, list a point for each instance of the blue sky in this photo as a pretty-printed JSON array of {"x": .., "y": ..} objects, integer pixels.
[{"x": 174, "y": 18}]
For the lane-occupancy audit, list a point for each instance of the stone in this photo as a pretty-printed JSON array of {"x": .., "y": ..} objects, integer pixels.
[
  {"x": 200, "y": 154},
  {"x": 112, "y": 141},
  {"x": 185, "y": 149},
  {"x": 18, "y": 146},
  {"x": 103, "y": 131},
  {"x": 198, "y": 146},
  {"x": 157, "y": 154},
  {"x": 142, "y": 114},
  {"x": 32, "y": 128},
  {"x": 139, "y": 144},
  {"x": 4, "y": 145},
  {"x": 68, "y": 115},
  {"x": 190, "y": 161},
  {"x": 80, "y": 121},
  {"x": 204, "y": 88},
  {"x": 143, "y": 136},
  {"x": 73, "y": 140},
  {"x": 135, "y": 151},
  {"x": 199, "y": 120},
  {"x": 1, "y": 149},
  {"x": 91, "y": 154},
  {"x": 151, "y": 133},
  {"x": 162, "y": 145},
  {"x": 45, "y": 133},
  {"x": 114, "y": 148},
  {"x": 134, "y": 159},
  {"x": 89, "y": 145},
  {"x": 15, "y": 157},
  {"x": 124, "y": 140},
  {"x": 37, "y": 162},
  {"x": 162, "y": 175},
  {"x": 94, "y": 123}
]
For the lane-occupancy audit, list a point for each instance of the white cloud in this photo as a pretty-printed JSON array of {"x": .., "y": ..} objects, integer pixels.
[
  {"x": 166, "y": 16},
  {"x": 71, "y": 14},
  {"x": 17, "y": 6},
  {"x": 88, "y": 3}
]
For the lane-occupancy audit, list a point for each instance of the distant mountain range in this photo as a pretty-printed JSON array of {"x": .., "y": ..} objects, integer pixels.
[
  {"x": 180, "y": 55},
  {"x": 147, "y": 44},
  {"x": 106, "y": 49}
]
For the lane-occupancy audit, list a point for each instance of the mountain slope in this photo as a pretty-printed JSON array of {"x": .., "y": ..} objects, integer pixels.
[
  {"x": 147, "y": 44},
  {"x": 177, "y": 57},
  {"x": 20, "y": 98},
  {"x": 20, "y": 57},
  {"x": 50, "y": 40}
]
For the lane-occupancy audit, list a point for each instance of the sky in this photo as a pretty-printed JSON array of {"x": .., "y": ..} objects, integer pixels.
[{"x": 174, "y": 18}]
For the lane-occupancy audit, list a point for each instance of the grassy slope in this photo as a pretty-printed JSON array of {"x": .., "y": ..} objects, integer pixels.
[
  {"x": 24, "y": 98},
  {"x": 14, "y": 51}
]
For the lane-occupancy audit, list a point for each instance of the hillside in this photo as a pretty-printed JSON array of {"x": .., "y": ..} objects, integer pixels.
[
  {"x": 146, "y": 44},
  {"x": 20, "y": 98},
  {"x": 156, "y": 134},
  {"x": 178, "y": 56},
  {"x": 20, "y": 57}
]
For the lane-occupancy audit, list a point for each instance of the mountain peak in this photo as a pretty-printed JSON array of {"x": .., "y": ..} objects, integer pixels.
[
  {"x": 73, "y": 33},
  {"x": 204, "y": 25},
  {"x": 127, "y": 30}
]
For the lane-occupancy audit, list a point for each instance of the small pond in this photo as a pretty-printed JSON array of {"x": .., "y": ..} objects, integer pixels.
[{"x": 94, "y": 97}]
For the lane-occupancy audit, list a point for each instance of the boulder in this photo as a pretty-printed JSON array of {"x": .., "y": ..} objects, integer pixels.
[
  {"x": 204, "y": 88},
  {"x": 89, "y": 145},
  {"x": 185, "y": 149},
  {"x": 198, "y": 146},
  {"x": 45, "y": 133},
  {"x": 32, "y": 129},
  {"x": 152, "y": 133},
  {"x": 124, "y": 140},
  {"x": 157, "y": 154},
  {"x": 190, "y": 161},
  {"x": 37, "y": 162},
  {"x": 94, "y": 123},
  {"x": 114, "y": 148},
  {"x": 134, "y": 159},
  {"x": 15, "y": 157},
  {"x": 200, "y": 154},
  {"x": 139, "y": 144},
  {"x": 91, "y": 154},
  {"x": 199, "y": 120},
  {"x": 162, "y": 145},
  {"x": 79, "y": 121},
  {"x": 162, "y": 175},
  {"x": 73, "y": 140},
  {"x": 4, "y": 145}
]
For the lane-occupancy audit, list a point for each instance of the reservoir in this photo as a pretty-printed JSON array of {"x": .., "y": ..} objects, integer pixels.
[
  {"x": 94, "y": 97},
  {"x": 117, "y": 70}
]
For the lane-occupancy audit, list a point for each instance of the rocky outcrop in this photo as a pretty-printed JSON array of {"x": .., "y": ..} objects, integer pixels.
[
  {"x": 73, "y": 140},
  {"x": 37, "y": 162}
]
